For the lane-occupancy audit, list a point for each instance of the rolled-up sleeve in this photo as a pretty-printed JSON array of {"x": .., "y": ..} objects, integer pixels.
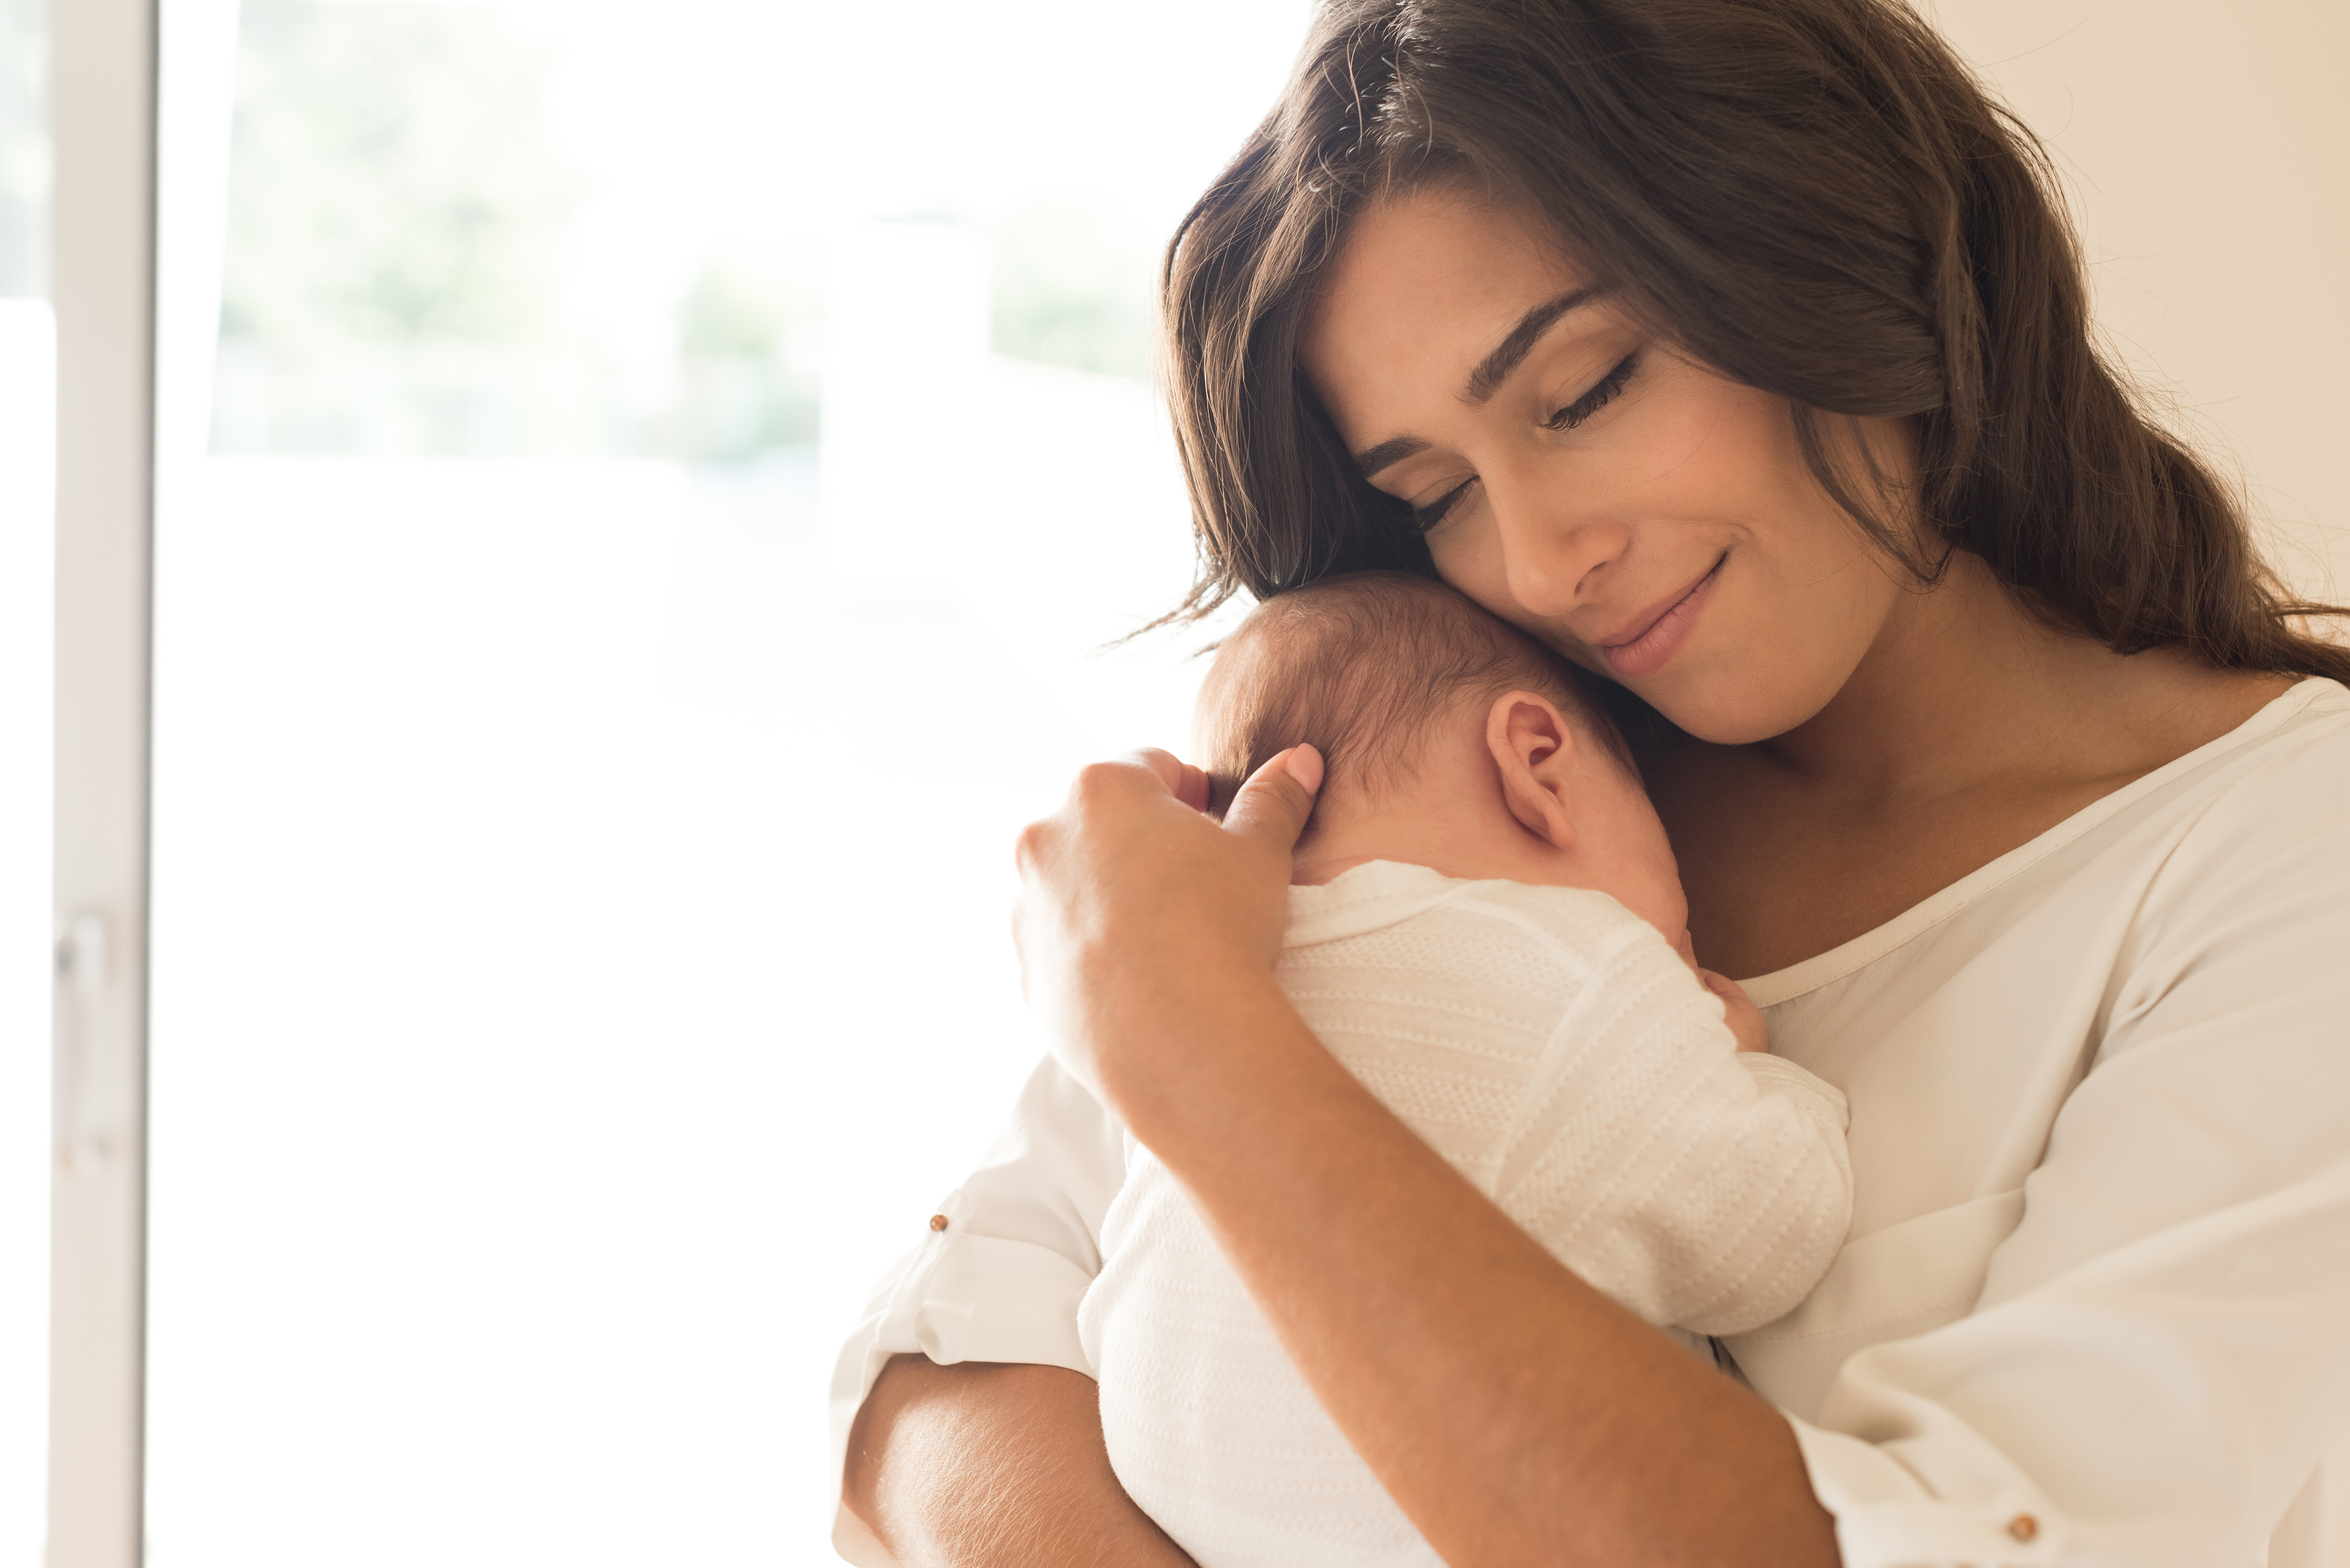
[
  {"x": 998, "y": 1274},
  {"x": 2179, "y": 1401}
]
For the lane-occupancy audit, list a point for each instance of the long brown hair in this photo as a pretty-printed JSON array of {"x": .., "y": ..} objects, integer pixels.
[{"x": 1815, "y": 197}]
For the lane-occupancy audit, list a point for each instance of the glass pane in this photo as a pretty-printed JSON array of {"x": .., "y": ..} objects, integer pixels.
[
  {"x": 27, "y": 415},
  {"x": 670, "y": 474},
  {"x": 24, "y": 150}
]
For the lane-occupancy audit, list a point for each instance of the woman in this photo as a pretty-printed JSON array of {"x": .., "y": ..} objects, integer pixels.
[{"x": 1737, "y": 349}]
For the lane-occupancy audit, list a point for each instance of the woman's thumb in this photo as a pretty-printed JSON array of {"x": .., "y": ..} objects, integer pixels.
[{"x": 1277, "y": 798}]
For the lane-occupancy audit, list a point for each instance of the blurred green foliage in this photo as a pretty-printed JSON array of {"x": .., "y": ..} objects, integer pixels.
[
  {"x": 749, "y": 337},
  {"x": 737, "y": 309},
  {"x": 398, "y": 216},
  {"x": 393, "y": 179},
  {"x": 1071, "y": 290},
  {"x": 400, "y": 213},
  {"x": 24, "y": 146}
]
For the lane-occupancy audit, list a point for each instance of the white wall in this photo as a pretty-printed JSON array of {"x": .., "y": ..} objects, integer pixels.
[{"x": 2205, "y": 149}]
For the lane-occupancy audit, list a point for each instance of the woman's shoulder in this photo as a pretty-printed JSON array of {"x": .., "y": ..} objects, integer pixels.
[
  {"x": 2240, "y": 847},
  {"x": 2278, "y": 774},
  {"x": 2286, "y": 766},
  {"x": 2267, "y": 815},
  {"x": 2262, "y": 808}
]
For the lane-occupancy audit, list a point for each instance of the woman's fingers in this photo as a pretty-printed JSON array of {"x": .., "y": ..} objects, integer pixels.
[
  {"x": 1169, "y": 769},
  {"x": 1196, "y": 790},
  {"x": 1274, "y": 803},
  {"x": 1133, "y": 901},
  {"x": 1137, "y": 780},
  {"x": 1184, "y": 781}
]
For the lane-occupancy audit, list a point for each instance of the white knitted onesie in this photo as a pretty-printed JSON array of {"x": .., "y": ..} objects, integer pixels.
[{"x": 1553, "y": 1048}]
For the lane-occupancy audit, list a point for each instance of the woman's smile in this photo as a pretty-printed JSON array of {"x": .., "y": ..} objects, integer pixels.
[
  {"x": 1591, "y": 482},
  {"x": 1648, "y": 643}
]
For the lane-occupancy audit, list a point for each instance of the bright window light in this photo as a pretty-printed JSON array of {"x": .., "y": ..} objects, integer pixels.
[{"x": 659, "y": 483}]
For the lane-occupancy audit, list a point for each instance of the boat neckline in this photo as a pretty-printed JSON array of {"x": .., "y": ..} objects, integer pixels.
[{"x": 1810, "y": 974}]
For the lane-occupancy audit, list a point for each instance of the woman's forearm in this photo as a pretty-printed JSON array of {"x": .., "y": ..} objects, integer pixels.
[
  {"x": 1517, "y": 1415},
  {"x": 990, "y": 1466}
]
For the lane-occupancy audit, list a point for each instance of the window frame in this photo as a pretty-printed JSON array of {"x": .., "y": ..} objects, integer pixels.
[{"x": 103, "y": 288}]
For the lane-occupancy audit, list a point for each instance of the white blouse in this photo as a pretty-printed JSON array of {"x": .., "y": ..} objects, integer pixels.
[{"x": 2096, "y": 1304}]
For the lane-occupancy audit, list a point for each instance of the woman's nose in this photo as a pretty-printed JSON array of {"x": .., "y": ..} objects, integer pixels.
[{"x": 1553, "y": 548}]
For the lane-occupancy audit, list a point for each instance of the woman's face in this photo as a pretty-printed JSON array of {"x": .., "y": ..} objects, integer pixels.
[{"x": 1650, "y": 519}]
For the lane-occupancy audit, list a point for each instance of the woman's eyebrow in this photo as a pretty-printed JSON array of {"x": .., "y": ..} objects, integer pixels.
[
  {"x": 1388, "y": 453},
  {"x": 1495, "y": 369},
  {"x": 1490, "y": 373}
]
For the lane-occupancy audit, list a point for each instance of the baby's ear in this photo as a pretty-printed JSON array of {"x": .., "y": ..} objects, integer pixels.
[{"x": 1534, "y": 751}]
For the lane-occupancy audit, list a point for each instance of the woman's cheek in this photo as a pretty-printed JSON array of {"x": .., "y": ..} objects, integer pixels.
[
  {"x": 1769, "y": 660},
  {"x": 1468, "y": 555}
]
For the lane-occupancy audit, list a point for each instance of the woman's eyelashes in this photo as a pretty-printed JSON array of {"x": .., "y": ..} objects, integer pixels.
[
  {"x": 1603, "y": 392},
  {"x": 1426, "y": 517}
]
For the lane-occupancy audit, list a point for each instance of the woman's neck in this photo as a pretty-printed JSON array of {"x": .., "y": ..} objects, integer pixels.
[
  {"x": 1969, "y": 728},
  {"x": 1967, "y": 689}
]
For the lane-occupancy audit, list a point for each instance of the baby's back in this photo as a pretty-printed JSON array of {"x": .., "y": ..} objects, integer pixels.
[{"x": 1556, "y": 1051}]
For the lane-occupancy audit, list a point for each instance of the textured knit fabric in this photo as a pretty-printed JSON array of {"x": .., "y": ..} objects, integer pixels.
[{"x": 1558, "y": 1052}]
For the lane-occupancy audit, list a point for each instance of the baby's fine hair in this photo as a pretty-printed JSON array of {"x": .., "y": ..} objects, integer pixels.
[{"x": 1362, "y": 666}]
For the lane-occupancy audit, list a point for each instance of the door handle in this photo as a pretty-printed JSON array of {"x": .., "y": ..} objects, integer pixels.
[{"x": 90, "y": 1081}]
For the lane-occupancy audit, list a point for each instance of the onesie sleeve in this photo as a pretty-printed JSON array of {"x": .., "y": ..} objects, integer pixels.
[
  {"x": 1702, "y": 1187},
  {"x": 1001, "y": 1278}
]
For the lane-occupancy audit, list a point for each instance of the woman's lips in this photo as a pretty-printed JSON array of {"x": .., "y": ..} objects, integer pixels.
[{"x": 1662, "y": 632}]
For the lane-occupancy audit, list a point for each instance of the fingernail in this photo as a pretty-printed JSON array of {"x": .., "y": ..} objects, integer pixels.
[{"x": 1305, "y": 765}]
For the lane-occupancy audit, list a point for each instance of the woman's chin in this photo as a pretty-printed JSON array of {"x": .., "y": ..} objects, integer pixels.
[{"x": 1727, "y": 712}]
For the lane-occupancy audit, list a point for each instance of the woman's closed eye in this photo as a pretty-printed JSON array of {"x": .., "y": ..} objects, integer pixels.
[
  {"x": 1426, "y": 517},
  {"x": 1603, "y": 392}
]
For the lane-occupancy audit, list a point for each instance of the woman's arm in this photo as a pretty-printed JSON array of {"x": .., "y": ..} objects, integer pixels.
[
  {"x": 1515, "y": 1413},
  {"x": 974, "y": 1332},
  {"x": 981, "y": 1465}
]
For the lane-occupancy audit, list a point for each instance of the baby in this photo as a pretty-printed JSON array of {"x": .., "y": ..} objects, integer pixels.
[{"x": 1487, "y": 929}]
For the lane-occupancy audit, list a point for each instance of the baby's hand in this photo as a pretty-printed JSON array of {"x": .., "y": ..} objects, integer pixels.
[{"x": 1745, "y": 1019}]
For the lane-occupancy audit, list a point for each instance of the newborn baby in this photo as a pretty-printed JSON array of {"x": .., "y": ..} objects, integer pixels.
[{"x": 1488, "y": 931}]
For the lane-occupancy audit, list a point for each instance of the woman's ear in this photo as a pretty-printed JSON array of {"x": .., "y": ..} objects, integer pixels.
[{"x": 1534, "y": 751}]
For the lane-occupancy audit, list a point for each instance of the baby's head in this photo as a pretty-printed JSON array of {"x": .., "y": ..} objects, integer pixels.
[{"x": 1450, "y": 739}]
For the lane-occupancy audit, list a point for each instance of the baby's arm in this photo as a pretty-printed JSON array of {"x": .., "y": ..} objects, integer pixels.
[
  {"x": 1700, "y": 1184},
  {"x": 1738, "y": 1011},
  {"x": 1745, "y": 1019}
]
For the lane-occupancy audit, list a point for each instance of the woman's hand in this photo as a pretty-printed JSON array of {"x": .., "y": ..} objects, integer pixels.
[
  {"x": 1516, "y": 1415},
  {"x": 1135, "y": 906}
]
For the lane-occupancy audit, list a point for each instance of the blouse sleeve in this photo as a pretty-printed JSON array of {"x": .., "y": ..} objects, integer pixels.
[
  {"x": 2157, "y": 1371},
  {"x": 997, "y": 1274}
]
